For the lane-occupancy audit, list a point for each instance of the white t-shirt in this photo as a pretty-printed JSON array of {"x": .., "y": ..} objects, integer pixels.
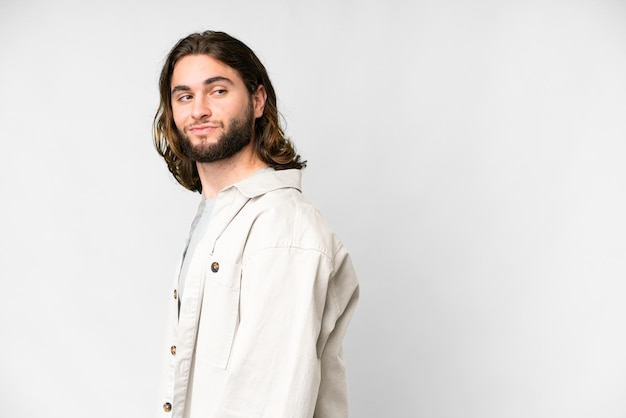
[{"x": 198, "y": 229}]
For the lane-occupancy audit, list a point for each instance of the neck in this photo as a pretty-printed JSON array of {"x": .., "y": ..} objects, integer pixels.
[{"x": 217, "y": 175}]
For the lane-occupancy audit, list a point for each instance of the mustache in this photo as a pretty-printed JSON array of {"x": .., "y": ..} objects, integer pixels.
[{"x": 204, "y": 123}]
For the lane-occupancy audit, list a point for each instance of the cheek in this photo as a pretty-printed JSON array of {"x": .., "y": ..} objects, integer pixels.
[{"x": 179, "y": 116}]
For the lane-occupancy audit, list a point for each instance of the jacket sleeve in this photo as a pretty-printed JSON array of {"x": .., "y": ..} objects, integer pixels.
[
  {"x": 286, "y": 358},
  {"x": 343, "y": 294}
]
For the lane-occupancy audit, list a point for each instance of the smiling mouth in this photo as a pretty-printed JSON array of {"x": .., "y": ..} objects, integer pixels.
[{"x": 203, "y": 129}]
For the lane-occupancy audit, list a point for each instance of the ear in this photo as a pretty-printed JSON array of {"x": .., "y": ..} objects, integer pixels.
[{"x": 258, "y": 101}]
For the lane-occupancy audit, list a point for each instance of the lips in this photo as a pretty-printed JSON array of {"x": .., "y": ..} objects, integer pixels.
[{"x": 204, "y": 129}]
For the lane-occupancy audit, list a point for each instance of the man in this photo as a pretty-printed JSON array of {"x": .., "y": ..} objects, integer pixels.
[{"x": 265, "y": 290}]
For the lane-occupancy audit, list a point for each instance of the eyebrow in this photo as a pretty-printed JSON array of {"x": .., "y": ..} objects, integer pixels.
[{"x": 206, "y": 82}]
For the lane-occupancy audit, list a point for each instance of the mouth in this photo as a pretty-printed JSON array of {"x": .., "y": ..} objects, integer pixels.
[{"x": 204, "y": 129}]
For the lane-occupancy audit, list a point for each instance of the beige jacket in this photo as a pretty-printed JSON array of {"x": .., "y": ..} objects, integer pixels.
[{"x": 268, "y": 297}]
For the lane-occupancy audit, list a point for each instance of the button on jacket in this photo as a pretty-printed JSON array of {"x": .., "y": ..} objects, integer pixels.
[{"x": 268, "y": 297}]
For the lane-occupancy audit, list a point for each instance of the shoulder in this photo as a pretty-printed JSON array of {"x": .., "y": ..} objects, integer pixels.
[{"x": 285, "y": 218}]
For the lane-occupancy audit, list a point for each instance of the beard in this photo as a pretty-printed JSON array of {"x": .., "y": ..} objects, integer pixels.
[{"x": 238, "y": 135}]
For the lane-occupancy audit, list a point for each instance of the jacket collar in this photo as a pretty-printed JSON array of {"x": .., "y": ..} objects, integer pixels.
[
  {"x": 268, "y": 180},
  {"x": 233, "y": 198}
]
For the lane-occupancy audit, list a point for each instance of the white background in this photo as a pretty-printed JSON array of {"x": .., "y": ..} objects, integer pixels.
[{"x": 470, "y": 154}]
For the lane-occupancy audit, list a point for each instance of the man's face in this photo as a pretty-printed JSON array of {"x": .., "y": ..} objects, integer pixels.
[{"x": 212, "y": 108}]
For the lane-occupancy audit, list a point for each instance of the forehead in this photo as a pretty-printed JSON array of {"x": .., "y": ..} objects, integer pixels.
[{"x": 193, "y": 70}]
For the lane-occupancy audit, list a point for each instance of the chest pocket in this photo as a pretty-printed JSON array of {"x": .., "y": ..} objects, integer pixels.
[{"x": 219, "y": 316}]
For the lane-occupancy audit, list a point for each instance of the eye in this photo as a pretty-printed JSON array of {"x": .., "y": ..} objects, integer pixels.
[
  {"x": 219, "y": 92},
  {"x": 184, "y": 98}
]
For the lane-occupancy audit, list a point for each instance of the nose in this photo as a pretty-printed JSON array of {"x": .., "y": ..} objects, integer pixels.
[{"x": 201, "y": 109}]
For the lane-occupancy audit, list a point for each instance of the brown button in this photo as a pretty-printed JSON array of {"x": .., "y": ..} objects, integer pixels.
[
  {"x": 173, "y": 350},
  {"x": 167, "y": 407},
  {"x": 175, "y": 294},
  {"x": 215, "y": 267}
]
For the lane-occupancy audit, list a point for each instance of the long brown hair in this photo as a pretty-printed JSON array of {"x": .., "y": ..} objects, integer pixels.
[{"x": 269, "y": 139}]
